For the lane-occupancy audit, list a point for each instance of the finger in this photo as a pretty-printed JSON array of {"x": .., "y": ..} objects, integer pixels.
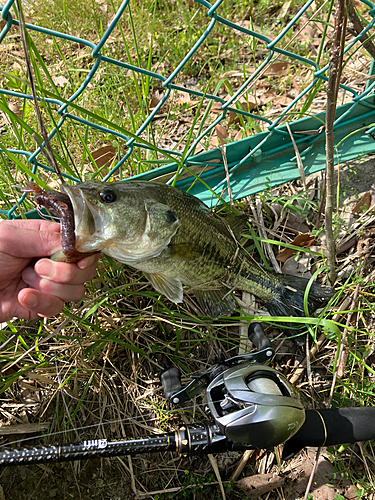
[
  {"x": 64, "y": 291},
  {"x": 39, "y": 304},
  {"x": 61, "y": 272},
  {"x": 35, "y": 224},
  {"x": 29, "y": 242},
  {"x": 88, "y": 261}
]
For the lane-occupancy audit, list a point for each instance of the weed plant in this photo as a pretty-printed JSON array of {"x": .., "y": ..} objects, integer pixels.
[{"x": 93, "y": 370}]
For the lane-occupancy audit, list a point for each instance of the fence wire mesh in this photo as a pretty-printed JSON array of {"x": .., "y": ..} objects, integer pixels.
[{"x": 140, "y": 145}]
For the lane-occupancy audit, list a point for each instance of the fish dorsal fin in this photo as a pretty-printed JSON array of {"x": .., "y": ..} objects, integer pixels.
[
  {"x": 170, "y": 287},
  {"x": 215, "y": 303},
  {"x": 236, "y": 224}
]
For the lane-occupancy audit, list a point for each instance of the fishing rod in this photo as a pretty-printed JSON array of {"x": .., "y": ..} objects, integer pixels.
[{"x": 250, "y": 405}]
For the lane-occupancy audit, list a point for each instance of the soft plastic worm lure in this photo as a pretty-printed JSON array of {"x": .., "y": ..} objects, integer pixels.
[{"x": 61, "y": 207}]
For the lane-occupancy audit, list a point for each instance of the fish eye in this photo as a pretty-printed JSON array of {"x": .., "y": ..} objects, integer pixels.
[{"x": 107, "y": 195}]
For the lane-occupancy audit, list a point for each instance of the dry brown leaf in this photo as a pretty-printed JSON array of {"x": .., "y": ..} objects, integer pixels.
[
  {"x": 307, "y": 32},
  {"x": 214, "y": 142},
  {"x": 363, "y": 204},
  {"x": 244, "y": 24},
  {"x": 238, "y": 136},
  {"x": 254, "y": 486},
  {"x": 284, "y": 9},
  {"x": 231, "y": 117},
  {"x": 248, "y": 102},
  {"x": 222, "y": 133},
  {"x": 296, "y": 85},
  {"x": 183, "y": 97},
  {"x": 283, "y": 101},
  {"x": 302, "y": 240},
  {"x": 60, "y": 81},
  {"x": 104, "y": 155},
  {"x": 17, "y": 110},
  {"x": 267, "y": 97},
  {"x": 323, "y": 476},
  {"x": 351, "y": 493},
  {"x": 154, "y": 102},
  {"x": 372, "y": 192},
  {"x": 216, "y": 107},
  {"x": 298, "y": 266},
  {"x": 277, "y": 68}
]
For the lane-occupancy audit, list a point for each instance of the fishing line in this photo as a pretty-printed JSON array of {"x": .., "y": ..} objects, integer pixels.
[
  {"x": 47, "y": 151},
  {"x": 44, "y": 216}
]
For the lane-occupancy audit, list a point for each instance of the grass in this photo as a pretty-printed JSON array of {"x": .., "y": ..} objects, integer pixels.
[{"x": 93, "y": 370}]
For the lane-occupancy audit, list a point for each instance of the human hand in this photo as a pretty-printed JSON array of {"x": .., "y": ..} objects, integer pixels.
[{"x": 32, "y": 286}]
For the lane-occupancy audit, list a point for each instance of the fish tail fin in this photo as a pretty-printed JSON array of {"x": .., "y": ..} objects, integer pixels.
[{"x": 289, "y": 299}]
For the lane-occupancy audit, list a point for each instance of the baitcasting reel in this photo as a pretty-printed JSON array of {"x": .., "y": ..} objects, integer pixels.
[{"x": 251, "y": 404}]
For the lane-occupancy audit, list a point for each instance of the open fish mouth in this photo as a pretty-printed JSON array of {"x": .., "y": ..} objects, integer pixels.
[{"x": 89, "y": 220}]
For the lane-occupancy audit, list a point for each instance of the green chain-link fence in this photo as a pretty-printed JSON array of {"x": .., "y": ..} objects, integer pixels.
[{"x": 265, "y": 159}]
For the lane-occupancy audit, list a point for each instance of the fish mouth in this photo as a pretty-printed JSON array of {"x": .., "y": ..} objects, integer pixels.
[{"x": 89, "y": 220}]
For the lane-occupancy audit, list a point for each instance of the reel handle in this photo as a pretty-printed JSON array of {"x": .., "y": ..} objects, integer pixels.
[
  {"x": 257, "y": 337},
  {"x": 171, "y": 381}
]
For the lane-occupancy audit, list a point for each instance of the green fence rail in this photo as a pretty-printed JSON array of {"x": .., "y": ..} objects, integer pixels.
[{"x": 262, "y": 160}]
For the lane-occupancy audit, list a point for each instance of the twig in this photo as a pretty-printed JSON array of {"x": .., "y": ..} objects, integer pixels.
[
  {"x": 215, "y": 467},
  {"x": 223, "y": 150},
  {"x": 240, "y": 467},
  {"x": 335, "y": 67},
  {"x": 343, "y": 342},
  {"x": 247, "y": 305},
  {"x": 176, "y": 489},
  {"x": 358, "y": 28},
  {"x": 263, "y": 234},
  {"x": 298, "y": 157},
  {"x": 48, "y": 152},
  {"x": 311, "y": 478},
  {"x": 322, "y": 338}
]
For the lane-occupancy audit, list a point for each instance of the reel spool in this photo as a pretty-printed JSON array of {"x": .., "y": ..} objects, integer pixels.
[{"x": 254, "y": 405}]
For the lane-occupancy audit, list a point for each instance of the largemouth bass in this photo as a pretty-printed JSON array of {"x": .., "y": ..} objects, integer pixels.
[{"x": 176, "y": 240}]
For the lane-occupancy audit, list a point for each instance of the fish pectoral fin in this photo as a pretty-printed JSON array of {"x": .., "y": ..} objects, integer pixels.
[
  {"x": 215, "y": 302},
  {"x": 170, "y": 287}
]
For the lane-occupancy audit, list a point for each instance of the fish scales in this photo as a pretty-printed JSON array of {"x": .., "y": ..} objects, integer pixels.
[
  {"x": 215, "y": 257},
  {"x": 176, "y": 240}
]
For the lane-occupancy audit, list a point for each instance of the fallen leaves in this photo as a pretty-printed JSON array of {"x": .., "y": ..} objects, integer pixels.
[
  {"x": 367, "y": 200},
  {"x": 104, "y": 155},
  {"x": 302, "y": 241},
  {"x": 61, "y": 81},
  {"x": 222, "y": 133}
]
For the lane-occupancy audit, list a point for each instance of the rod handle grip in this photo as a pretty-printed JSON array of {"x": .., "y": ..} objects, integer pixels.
[{"x": 332, "y": 426}]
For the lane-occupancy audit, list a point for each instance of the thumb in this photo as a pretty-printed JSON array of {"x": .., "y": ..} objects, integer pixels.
[{"x": 29, "y": 238}]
